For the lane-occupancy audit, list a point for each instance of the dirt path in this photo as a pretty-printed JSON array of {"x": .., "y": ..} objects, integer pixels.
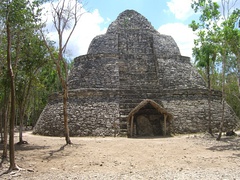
[{"x": 179, "y": 157}]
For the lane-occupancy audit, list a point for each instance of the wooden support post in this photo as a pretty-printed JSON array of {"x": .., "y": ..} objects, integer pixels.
[
  {"x": 165, "y": 125},
  {"x": 131, "y": 130}
]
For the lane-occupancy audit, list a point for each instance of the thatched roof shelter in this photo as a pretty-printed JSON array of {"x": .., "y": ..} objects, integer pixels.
[{"x": 167, "y": 116}]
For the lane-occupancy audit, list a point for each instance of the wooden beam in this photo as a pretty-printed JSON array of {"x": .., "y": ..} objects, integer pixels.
[
  {"x": 165, "y": 125},
  {"x": 131, "y": 130}
]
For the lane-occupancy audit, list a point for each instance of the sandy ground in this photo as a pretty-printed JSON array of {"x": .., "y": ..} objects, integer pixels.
[{"x": 179, "y": 157}]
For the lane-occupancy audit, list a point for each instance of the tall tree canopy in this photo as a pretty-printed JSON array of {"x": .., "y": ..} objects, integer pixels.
[
  {"x": 218, "y": 46},
  {"x": 24, "y": 60}
]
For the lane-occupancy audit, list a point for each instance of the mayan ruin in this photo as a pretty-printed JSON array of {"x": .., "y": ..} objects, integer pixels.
[{"x": 134, "y": 82}]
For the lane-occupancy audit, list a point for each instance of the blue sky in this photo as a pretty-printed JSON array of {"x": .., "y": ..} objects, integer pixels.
[
  {"x": 152, "y": 11},
  {"x": 170, "y": 17},
  {"x": 156, "y": 11}
]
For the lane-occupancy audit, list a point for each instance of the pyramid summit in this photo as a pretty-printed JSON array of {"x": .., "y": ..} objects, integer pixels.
[
  {"x": 133, "y": 32},
  {"x": 134, "y": 82},
  {"x": 130, "y": 19}
]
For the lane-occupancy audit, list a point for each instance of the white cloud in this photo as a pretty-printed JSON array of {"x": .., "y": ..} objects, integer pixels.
[
  {"x": 87, "y": 28},
  {"x": 181, "y": 9},
  {"x": 182, "y": 34}
]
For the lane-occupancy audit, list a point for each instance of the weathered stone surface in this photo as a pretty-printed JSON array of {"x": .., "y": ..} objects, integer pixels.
[{"x": 128, "y": 64}]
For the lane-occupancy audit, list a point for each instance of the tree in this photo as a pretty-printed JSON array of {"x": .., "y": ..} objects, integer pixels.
[
  {"x": 224, "y": 53},
  {"x": 32, "y": 59},
  {"x": 233, "y": 39},
  {"x": 9, "y": 10},
  {"x": 205, "y": 50},
  {"x": 219, "y": 35},
  {"x": 4, "y": 94},
  {"x": 17, "y": 16},
  {"x": 64, "y": 12},
  {"x": 225, "y": 35}
]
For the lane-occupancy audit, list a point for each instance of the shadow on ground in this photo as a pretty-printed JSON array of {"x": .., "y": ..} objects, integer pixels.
[
  {"x": 228, "y": 143},
  {"x": 26, "y": 147},
  {"x": 151, "y": 137}
]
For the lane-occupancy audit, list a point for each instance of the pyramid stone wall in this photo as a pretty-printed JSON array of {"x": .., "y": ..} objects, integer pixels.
[{"x": 128, "y": 64}]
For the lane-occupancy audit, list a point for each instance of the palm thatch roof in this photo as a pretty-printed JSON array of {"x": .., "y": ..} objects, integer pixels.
[{"x": 158, "y": 107}]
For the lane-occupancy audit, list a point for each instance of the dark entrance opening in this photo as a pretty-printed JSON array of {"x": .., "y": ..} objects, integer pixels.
[
  {"x": 149, "y": 119},
  {"x": 149, "y": 122}
]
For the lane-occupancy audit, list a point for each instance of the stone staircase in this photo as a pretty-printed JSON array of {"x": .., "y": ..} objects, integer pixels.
[{"x": 136, "y": 84}]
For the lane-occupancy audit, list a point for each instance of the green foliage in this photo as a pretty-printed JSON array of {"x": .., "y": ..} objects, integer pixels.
[
  {"x": 35, "y": 75},
  {"x": 218, "y": 42},
  {"x": 205, "y": 50}
]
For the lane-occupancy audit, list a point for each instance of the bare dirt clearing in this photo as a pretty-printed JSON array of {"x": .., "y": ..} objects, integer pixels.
[{"x": 180, "y": 157}]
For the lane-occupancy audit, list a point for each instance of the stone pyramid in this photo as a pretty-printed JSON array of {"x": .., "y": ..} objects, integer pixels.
[{"x": 133, "y": 81}]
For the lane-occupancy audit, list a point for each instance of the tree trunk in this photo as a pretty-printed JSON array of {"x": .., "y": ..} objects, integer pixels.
[
  {"x": 7, "y": 104},
  {"x": 209, "y": 101},
  {"x": 12, "y": 110},
  {"x": 65, "y": 114},
  {"x": 22, "y": 108},
  {"x": 21, "y": 112},
  {"x": 64, "y": 88},
  {"x": 65, "y": 98},
  {"x": 223, "y": 97},
  {"x": 5, "y": 127},
  {"x": 4, "y": 155}
]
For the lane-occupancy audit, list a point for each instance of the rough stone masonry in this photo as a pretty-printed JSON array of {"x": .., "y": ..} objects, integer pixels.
[{"x": 134, "y": 81}]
